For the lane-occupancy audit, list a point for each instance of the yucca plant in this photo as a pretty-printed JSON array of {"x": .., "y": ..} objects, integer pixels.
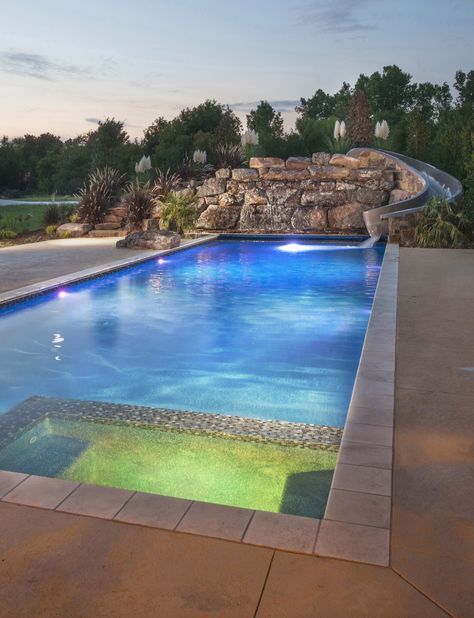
[
  {"x": 189, "y": 169},
  {"x": 177, "y": 213},
  {"x": 139, "y": 201},
  {"x": 165, "y": 182},
  {"x": 99, "y": 194},
  {"x": 230, "y": 155},
  {"x": 445, "y": 224}
]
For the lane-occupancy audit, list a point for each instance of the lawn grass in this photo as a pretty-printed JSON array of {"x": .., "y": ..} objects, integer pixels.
[{"x": 22, "y": 218}]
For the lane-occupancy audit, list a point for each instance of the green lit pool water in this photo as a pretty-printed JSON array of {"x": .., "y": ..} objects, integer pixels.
[{"x": 225, "y": 471}]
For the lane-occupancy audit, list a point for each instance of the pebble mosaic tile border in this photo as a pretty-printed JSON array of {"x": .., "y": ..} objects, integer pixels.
[{"x": 29, "y": 412}]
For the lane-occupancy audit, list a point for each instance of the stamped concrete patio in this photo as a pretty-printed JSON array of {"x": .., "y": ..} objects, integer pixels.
[{"x": 58, "y": 564}]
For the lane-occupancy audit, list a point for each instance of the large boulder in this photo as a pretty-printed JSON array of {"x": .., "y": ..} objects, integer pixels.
[
  {"x": 244, "y": 175},
  {"x": 347, "y": 217},
  {"x": 218, "y": 218},
  {"x": 73, "y": 230},
  {"x": 321, "y": 158},
  {"x": 266, "y": 217},
  {"x": 345, "y": 161},
  {"x": 212, "y": 186},
  {"x": 297, "y": 163},
  {"x": 262, "y": 162},
  {"x": 150, "y": 240},
  {"x": 310, "y": 219}
]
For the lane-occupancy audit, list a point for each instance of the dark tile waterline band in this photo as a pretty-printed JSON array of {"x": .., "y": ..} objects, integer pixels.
[{"x": 29, "y": 412}]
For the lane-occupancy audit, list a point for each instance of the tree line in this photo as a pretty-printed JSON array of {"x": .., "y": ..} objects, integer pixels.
[{"x": 432, "y": 122}]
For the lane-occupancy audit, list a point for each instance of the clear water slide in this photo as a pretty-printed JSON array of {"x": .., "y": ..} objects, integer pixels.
[{"x": 436, "y": 183}]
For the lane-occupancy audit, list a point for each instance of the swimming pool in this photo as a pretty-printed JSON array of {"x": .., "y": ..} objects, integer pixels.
[{"x": 267, "y": 329}]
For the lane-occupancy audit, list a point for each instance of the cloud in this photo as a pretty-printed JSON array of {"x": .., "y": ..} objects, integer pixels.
[
  {"x": 340, "y": 16},
  {"x": 37, "y": 66},
  {"x": 281, "y": 105}
]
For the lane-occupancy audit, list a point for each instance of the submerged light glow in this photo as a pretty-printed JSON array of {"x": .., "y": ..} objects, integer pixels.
[{"x": 295, "y": 247}]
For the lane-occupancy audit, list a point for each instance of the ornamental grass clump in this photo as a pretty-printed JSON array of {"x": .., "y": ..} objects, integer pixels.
[
  {"x": 229, "y": 155},
  {"x": 165, "y": 182},
  {"x": 99, "y": 194},
  {"x": 445, "y": 224}
]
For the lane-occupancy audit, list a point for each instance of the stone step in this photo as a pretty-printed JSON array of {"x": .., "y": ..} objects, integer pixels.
[
  {"x": 107, "y": 226},
  {"x": 118, "y": 211},
  {"x": 113, "y": 219},
  {"x": 106, "y": 233}
]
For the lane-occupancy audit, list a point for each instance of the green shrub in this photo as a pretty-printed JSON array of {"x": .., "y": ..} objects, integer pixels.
[
  {"x": 177, "y": 213},
  {"x": 7, "y": 234},
  {"x": 445, "y": 224},
  {"x": 74, "y": 218},
  {"x": 51, "y": 229},
  {"x": 67, "y": 234}
]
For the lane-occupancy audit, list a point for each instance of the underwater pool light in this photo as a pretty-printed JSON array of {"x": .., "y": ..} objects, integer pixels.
[
  {"x": 295, "y": 247},
  {"x": 62, "y": 294}
]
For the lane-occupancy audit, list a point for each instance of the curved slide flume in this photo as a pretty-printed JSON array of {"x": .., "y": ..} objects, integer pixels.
[{"x": 435, "y": 183}]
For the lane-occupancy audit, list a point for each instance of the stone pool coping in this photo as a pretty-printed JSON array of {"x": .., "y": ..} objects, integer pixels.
[{"x": 356, "y": 525}]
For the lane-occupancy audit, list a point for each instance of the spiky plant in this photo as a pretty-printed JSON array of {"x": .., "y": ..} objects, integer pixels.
[
  {"x": 139, "y": 202},
  {"x": 52, "y": 216},
  {"x": 165, "y": 182},
  {"x": 230, "y": 155},
  {"x": 99, "y": 194},
  {"x": 445, "y": 224},
  {"x": 189, "y": 169},
  {"x": 177, "y": 213}
]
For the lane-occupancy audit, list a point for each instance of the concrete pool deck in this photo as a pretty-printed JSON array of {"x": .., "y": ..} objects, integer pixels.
[
  {"x": 100, "y": 567},
  {"x": 25, "y": 265}
]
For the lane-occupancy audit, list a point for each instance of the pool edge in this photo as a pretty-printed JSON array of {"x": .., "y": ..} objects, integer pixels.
[
  {"x": 336, "y": 537},
  {"x": 43, "y": 287}
]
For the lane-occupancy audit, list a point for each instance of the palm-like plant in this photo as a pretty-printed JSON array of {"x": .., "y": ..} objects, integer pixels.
[
  {"x": 177, "y": 213},
  {"x": 165, "y": 182},
  {"x": 230, "y": 155},
  {"x": 99, "y": 194},
  {"x": 445, "y": 224}
]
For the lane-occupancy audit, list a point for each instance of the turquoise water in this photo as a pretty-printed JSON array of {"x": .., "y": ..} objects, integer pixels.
[{"x": 267, "y": 329}]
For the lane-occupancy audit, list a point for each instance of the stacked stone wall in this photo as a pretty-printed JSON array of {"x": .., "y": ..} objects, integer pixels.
[{"x": 323, "y": 193}]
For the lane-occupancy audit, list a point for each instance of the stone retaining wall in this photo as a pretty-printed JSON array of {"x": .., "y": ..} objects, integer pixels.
[{"x": 323, "y": 193}]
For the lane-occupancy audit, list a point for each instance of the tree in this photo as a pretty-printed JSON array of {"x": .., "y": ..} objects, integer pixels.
[
  {"x": 268, "y": 123},
  {"x": 322, "y": 105},
  {"x": 203, "y": 127},
  {"x": 390, "y": 93},
  {"x": 151, "y": 135},
  {"x": 418, "y": 135},
  {"x": 360, "y": 123},
  {"x": 464, "y": 84},
  {"x": 106, "y": 145}
]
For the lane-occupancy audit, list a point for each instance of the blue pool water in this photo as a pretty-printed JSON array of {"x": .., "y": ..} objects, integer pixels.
[{"x": 267, "y": 329}]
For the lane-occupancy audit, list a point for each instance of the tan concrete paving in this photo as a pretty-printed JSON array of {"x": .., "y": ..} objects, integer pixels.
[
  {"x": 26, "y": 264},
  {"x": 433, "y": 498},
  {"x": 57, "y": 564}
]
